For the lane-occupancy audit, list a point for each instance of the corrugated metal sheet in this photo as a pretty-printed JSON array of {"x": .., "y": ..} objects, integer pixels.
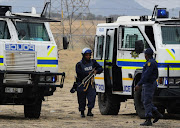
[{"x": 19, "y": 61}]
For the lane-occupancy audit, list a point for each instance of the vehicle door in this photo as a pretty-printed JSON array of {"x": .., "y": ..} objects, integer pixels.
[{"x": 127, "y": 58}]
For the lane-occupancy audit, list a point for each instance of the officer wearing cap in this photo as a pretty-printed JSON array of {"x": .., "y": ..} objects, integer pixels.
[
  {"x": 149, "y": 84},
  {"x": 83, "y": 68}
]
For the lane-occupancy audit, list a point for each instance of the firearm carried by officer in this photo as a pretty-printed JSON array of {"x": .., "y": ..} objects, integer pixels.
[
  {"x": 85, "y": 82},
  {"x": 86, "y": 69}
]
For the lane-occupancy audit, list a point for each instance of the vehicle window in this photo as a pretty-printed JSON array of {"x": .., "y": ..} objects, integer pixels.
[
  {"x": 170, "y": 34},
  {"x": 4, "y": 31},
  {"x": 32, "y": 31},
  {"x": 99, "y": 49},
  {"x": 109, "y": 48},
  {"x": 129, "y": 36}
]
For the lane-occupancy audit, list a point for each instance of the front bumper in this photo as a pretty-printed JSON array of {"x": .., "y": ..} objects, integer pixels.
[
  {"x": 35, "y": 78},
  {"x": 30, "y": 92}
]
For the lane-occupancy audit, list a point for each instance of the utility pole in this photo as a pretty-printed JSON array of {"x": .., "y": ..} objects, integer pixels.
[{"x": 71, "y": 13}]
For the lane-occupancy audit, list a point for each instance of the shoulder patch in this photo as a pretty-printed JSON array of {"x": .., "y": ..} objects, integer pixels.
[{"x": 149, "y": 64}]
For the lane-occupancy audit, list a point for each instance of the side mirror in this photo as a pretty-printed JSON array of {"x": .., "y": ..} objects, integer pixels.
[
  {"x": 139, "y": 46},
  {"x": 65, "y": 42}
]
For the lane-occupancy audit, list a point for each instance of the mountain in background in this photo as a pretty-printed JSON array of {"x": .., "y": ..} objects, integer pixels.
[
  {"x": 124, "y": 7},
  {"x": 97, "y": 7},
  {"x": 120, "y": 7}
]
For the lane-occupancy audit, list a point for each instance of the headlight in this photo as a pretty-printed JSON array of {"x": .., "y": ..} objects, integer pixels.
[
  {"x": 171, "y": 81},
  {"x": 42, "y": 78},
  {"x": 48, "y": 78},
  {"x": 177, "y": 81}
]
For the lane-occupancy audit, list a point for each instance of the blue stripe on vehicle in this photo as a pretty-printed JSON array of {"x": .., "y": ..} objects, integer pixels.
[
  {"x": 134, "y": 64},
  {"x": 1, "y": 60},
  {"x": 47, "y": 62}
]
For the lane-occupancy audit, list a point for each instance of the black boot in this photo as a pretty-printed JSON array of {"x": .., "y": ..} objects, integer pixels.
[
  {"x": 82, "y": 114},
  {"x": 89, "y": 112},
  {"x": 147, "y": 122},
  {"x": 157, "y": 116}
]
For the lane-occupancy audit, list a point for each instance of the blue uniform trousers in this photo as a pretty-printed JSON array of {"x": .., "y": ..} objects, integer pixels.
[
  {"x": 147, "y": 98},
  {"x": 90, "y": 94}
]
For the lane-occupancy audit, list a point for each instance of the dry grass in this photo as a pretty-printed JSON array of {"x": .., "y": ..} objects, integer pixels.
[{"x": 67, "y": 61}]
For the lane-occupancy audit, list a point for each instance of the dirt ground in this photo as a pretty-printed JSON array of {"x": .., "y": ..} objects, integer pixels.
[{"x": 61, "y": 109}]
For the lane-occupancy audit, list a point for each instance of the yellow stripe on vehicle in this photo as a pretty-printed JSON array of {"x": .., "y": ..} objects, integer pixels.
[
  {"x": 131, "y": 60},
  {"x": 172, "y": 68},
  {"x": 127, "y": 78},
  {"x": 100, "y": 60},
  {"x": 46, "y": 58},
  {"x": 108, "y": 60},
  {"x": 172, "y": 61},
  {"x": 131, "y": 67},
  {"x": 170, "y": 53},
  {"x": 44, "y": 65},
  {"x": 51, "y": 50},
  {"x": 99, "y": 78},
  {"x": 1, "y": 63}
]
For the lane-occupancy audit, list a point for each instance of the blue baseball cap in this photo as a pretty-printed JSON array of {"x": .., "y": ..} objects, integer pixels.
[{"x": 149, "y": 51}]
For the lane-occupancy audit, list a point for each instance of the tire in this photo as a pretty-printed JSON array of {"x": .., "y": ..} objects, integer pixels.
[
  {"x": 109, "y": 104},
  {"x": 138, "y": 103},
  {"x": 172, "y": 108},
  {"x": 33, "y": 110},
  {"x": 161, "y": 109}
]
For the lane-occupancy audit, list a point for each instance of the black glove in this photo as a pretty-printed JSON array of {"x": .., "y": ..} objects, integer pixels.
[{"x": 74, "y": 88}]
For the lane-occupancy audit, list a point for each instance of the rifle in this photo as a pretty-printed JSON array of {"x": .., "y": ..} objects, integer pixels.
[{"x": 86, "y": 80}]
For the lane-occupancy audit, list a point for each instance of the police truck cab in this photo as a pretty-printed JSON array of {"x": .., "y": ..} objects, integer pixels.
[
  {"x": 28, "y": 60},
  {"x": 119, "y": 48}
]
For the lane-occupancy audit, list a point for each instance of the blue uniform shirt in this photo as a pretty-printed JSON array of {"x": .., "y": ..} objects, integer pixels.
[
  {"x": 150, "y": 72},
  {"x": 83, "y": 68}
]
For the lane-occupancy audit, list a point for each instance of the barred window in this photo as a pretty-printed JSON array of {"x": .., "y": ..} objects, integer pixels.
[
  {"x": 32, "y": 31},
  {"x": 99, "y": 50},
  {"x": 170, "y": 34},
  {"x": 129, "y": 36}
]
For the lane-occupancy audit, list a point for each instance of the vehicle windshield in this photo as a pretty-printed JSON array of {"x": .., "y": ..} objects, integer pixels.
[
  {"x": 170, "y": 34},
  {"x": 32, "y": 31},
  {"x": 4, "y": 31}
]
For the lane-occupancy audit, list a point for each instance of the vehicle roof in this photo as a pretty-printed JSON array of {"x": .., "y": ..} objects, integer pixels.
[{"x": 134, "y": 20}]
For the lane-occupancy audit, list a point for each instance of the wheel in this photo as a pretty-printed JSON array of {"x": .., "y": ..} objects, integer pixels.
[
  {"x": 109, "y": 104},
  {"x": 33, "y": 110},
  {"x": 173, "y": 108},
  {"x": 138, "y": 103},
  {"x": 161, "y": 109}
]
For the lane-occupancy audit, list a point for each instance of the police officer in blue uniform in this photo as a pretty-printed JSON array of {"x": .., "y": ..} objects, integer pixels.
[
  {"x": 83, "y": 68},
  {"x": 149, "y": 84}
]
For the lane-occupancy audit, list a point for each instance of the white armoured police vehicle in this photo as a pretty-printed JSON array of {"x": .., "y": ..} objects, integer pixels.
[
  {"x": 119, "y": 48},
  {"x": 28, "y": 60}
]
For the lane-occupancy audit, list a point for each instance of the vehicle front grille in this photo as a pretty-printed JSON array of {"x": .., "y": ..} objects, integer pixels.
[{"x": 20, "y": 61}]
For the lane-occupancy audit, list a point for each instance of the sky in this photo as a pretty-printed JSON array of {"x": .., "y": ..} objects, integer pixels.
[
  {"x": 169, "y": 4},
  {"x": 104, "y": 7}
]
